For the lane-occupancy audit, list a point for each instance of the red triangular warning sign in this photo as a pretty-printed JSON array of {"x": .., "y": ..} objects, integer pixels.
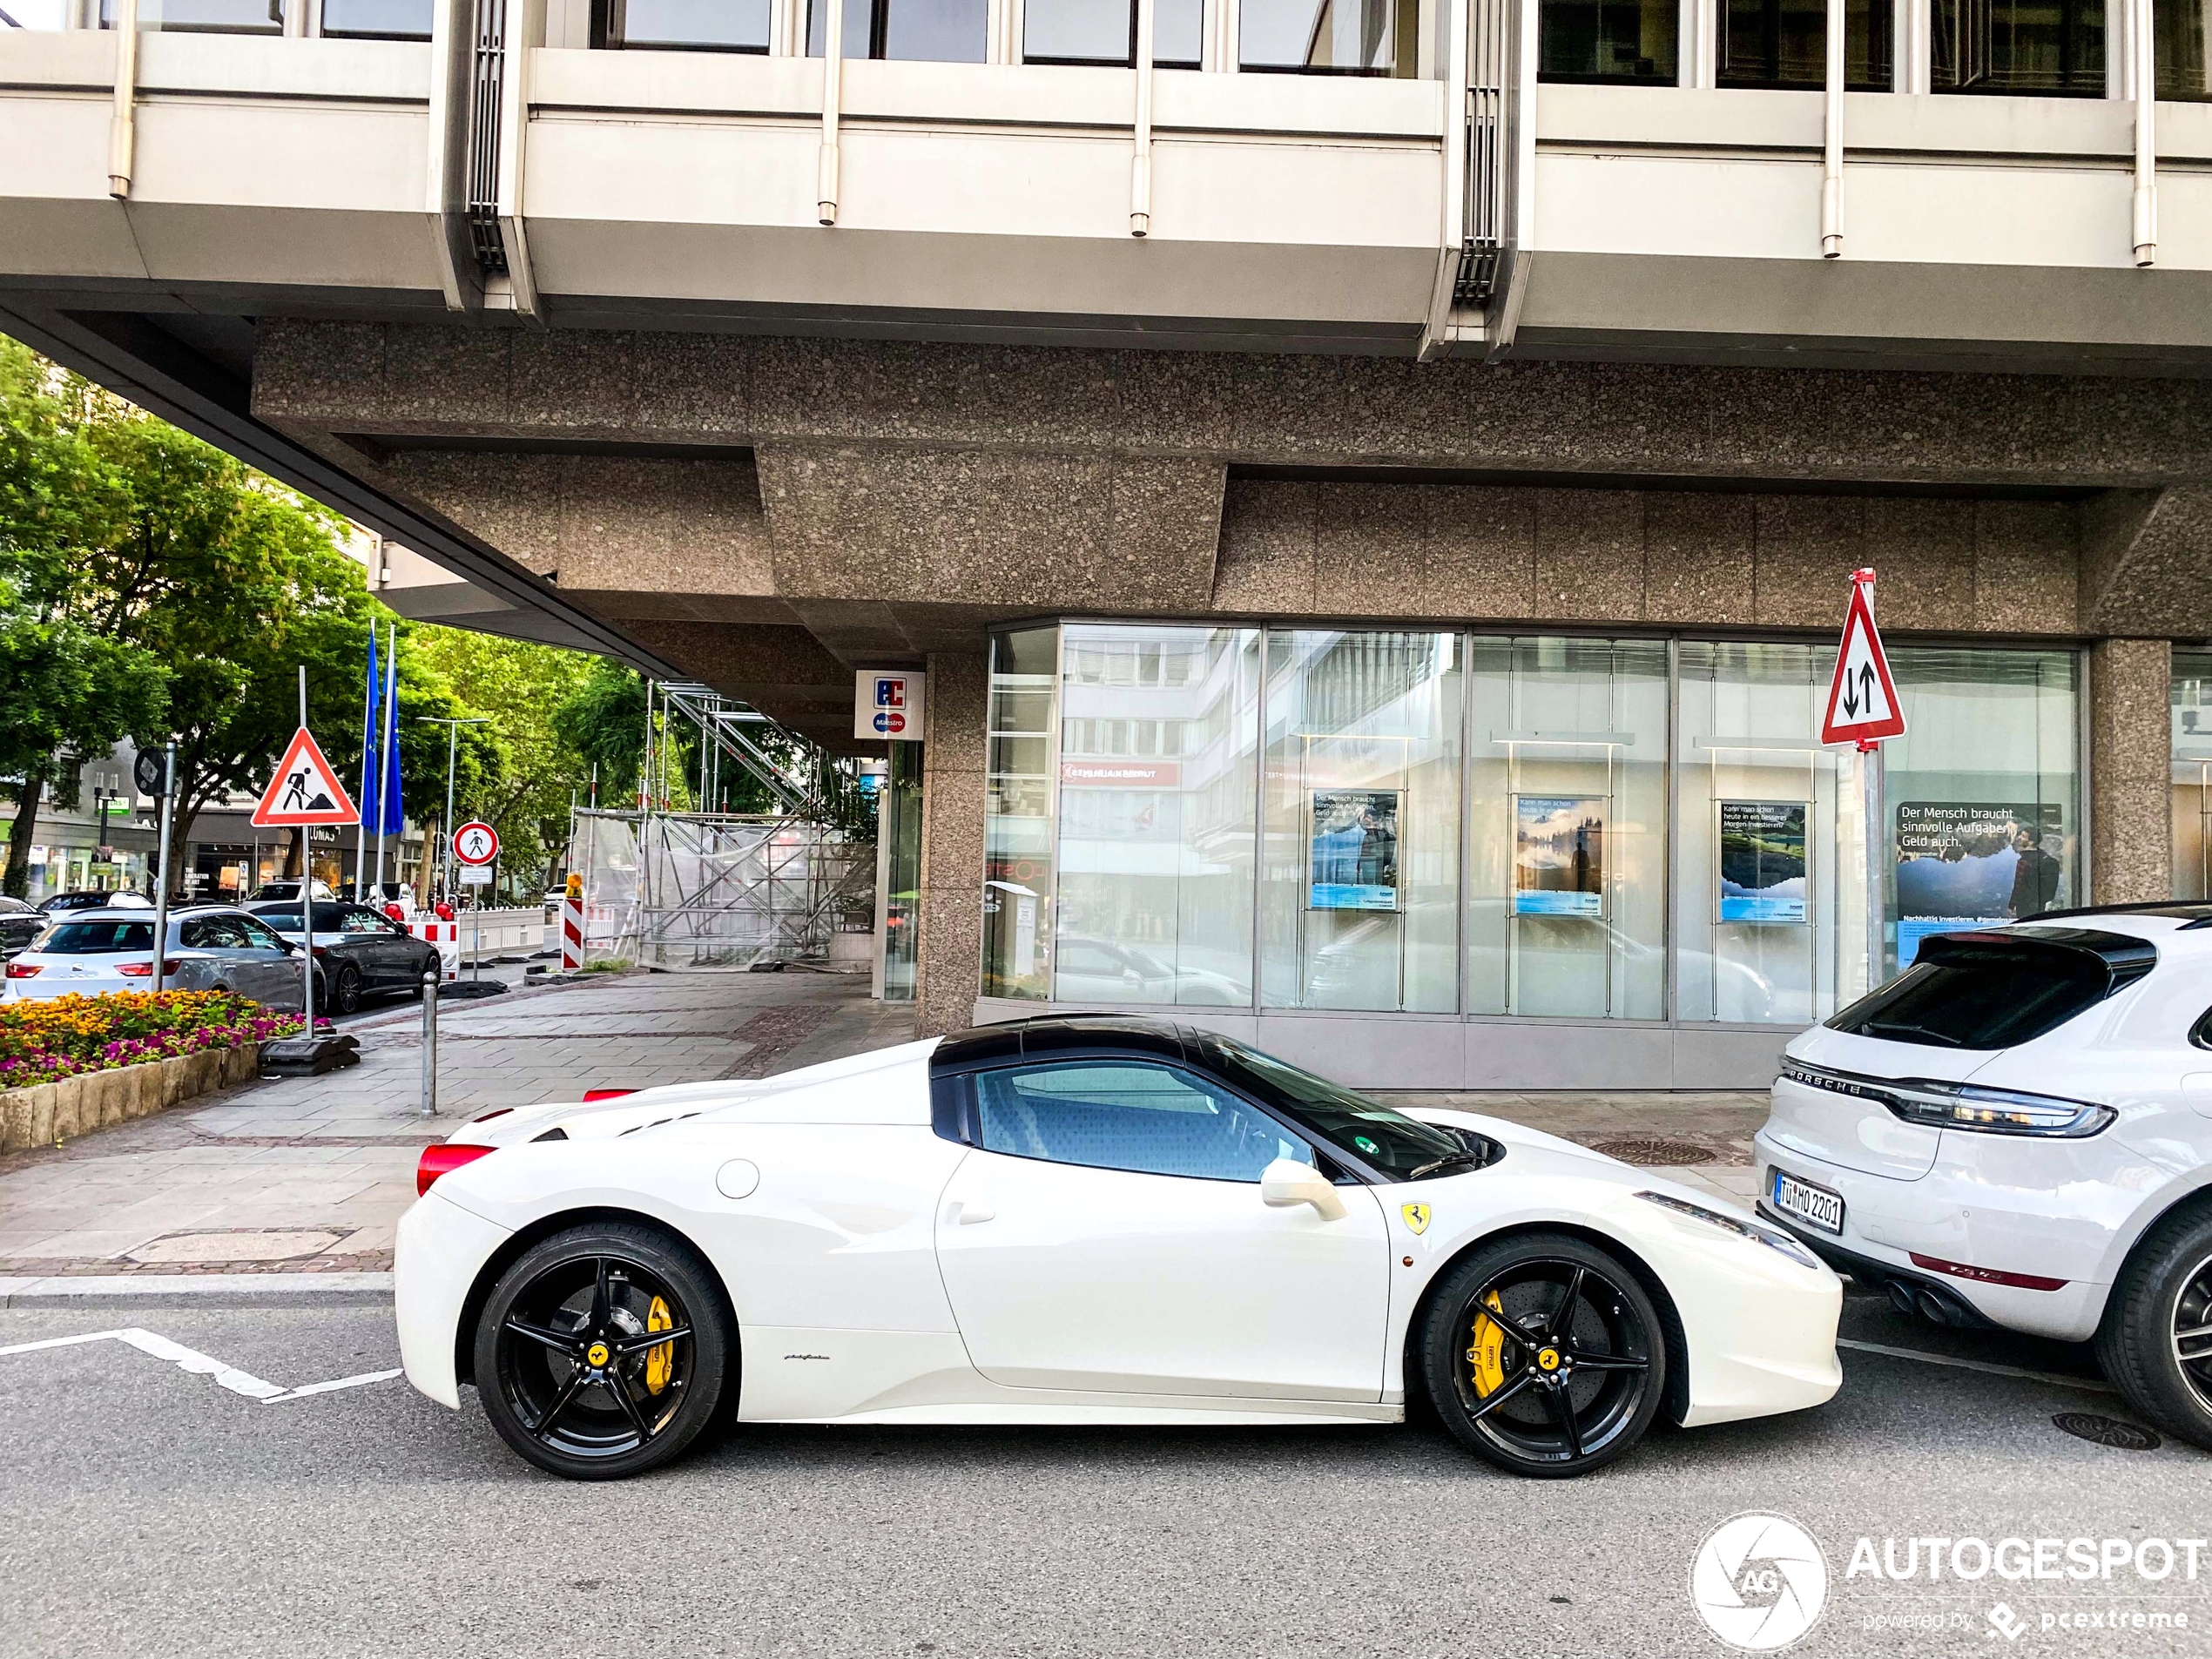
[
  {"x": 1863, "y": 705},
  {"x": 304, "y": 790}
]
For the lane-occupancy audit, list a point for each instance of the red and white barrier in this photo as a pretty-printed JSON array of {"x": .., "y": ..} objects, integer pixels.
[
  {"x": 571, "y": 933},
  {"x": 446, "y": 935}
]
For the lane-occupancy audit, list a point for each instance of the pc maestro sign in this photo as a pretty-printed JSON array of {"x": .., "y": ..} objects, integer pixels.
[{"x": 887, "y": 703}]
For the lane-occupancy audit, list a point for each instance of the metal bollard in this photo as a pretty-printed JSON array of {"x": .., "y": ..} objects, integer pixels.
[{"x": 430, "y": 1042}]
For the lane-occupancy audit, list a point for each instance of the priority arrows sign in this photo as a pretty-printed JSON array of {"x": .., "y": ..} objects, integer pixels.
[
  {"x": 1863, "y": 705},
  {"x": 304, "y": 790}
]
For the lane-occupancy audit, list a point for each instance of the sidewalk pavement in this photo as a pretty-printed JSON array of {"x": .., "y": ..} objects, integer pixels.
[{"x": 309, "y": 1175}]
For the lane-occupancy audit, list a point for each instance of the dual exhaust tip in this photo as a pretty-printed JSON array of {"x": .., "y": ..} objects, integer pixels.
[{"x": 1937, "y": 1305}]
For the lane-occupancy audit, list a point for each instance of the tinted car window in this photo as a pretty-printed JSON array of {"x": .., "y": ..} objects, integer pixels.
[
  {"x": 1122, "y": 1115},
  {"x": 361, "y": 921},
  {"x": 97, "y": 938},
  {"x": 256, "y": 935},
  {"x": 1399, "y": 1147},
  {"x": 1987, "y": 994}
]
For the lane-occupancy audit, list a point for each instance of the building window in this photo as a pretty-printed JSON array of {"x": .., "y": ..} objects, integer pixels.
[
  {"x": 1361, "y": 860},
  {"x": 1104, "y": 32},
  {"x": 1156, "y": 842},
  {"x": 2178, "y": 29},
  {"x": 939, "y": 31},
  {"x": 1784, "y": 44},
  {"x": 680, "y": 25},
  {"x": 377, "y": 19},
  {"x": 1607, "y": 40},
  {"x": 1329, "y": 36},
  {"x": 2037, "y": 48},
  {"x": 2192, "y": 750},
  {"x": 204, "y": 16},
  {"x": 1017, "y": 815}
]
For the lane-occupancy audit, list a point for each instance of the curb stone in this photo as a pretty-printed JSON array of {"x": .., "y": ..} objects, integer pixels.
[{"x": 200, "y": 1290}]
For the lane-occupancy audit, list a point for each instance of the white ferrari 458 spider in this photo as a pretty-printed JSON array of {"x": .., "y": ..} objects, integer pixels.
[{"x": 1082, "y": 1221}]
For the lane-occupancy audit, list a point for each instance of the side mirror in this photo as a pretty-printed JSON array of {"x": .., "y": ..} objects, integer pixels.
[{"x": 1287, "y": 1182}]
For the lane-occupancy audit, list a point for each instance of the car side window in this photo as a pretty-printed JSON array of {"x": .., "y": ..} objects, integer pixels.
[
  {"x": 257, "y": 935},
  {"x": 193, "y": 935},
  {"x": 361, "y": 921},
  {"x": 1131, "y": 1115}
]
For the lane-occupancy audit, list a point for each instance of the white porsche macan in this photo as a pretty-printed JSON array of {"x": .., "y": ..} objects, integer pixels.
[
  {"x": 1081, "y": 1220},
  {"x": 2017, "y": 1131}
]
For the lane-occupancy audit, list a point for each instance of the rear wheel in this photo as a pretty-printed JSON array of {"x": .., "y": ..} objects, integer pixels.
[
  {"x": 2155, "y": 1342},
  {"x": 346, "y": 998},
  {"x": 1543, "y": 1354},
  {"x": 602, "y": 1351}
]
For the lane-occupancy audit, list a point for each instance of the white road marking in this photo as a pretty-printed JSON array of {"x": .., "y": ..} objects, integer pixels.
[
  {"x": 2090, "y": 1384},
  {"x": 200, "y": 1364}
]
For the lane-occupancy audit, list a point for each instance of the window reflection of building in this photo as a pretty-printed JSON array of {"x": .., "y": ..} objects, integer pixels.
[
  {"x": 1399, "y": 790},
  {"x": 2192, "y": 766}
]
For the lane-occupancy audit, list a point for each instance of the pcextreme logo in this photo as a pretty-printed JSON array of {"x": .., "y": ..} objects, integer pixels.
[{"x": 1759, "y": 1582}]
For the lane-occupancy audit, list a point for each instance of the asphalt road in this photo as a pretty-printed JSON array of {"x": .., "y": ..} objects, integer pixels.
[{"x": 145, "y": 1511}]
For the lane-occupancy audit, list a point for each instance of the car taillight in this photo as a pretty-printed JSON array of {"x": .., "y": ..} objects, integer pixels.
[
  {"x": 145, "y": 970},
  {"x": 443, "y": 1158},
  {"x": 496, "y": 1111},
  {"x": 25, "y": 970},
  {"x": 590, "y": 1095}
]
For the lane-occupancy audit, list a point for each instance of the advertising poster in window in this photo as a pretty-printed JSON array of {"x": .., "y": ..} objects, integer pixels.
[
  {"x": 1762, "y": 861},
  {"x": 1558, "y": 856},
  {"x": 1354, "y": 850},
  {"x": 1967, "y": 864}
]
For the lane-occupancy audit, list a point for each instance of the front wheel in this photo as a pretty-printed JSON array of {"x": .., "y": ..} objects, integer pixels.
[
  {"x": 2155, "y": 1342},
  {"x": 602, "y": 1351},
  {"x": 1543, "y": 1354}
]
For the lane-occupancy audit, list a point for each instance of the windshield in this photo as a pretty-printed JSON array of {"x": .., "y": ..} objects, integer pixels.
[
  {"x": 96, "y": 938},
  {"x": 1399, "y": 1147}
]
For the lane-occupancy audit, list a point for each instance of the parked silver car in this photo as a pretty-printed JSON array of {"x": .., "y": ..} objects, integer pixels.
[{"x": 209, "y": 948}]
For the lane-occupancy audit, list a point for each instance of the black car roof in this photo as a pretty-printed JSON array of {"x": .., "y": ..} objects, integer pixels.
[{"x": 1064, "y": 1034}]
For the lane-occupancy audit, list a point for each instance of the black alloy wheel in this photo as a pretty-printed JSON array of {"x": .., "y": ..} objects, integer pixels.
[
  {"x": 602, "y": 1351},
  {"x": 346, "y": 998},
  {"x": 1543, "y": 1354},
  {"x": 2155, "y": 1340}
]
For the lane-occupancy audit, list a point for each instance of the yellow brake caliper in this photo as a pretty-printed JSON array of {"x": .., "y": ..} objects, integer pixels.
[
  {"x": 659, "y": 1361},
  {"x": 1486, "y": 1355}
]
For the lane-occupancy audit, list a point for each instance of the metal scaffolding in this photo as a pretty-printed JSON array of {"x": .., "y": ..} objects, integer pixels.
[{"x": 696, "y": 888}]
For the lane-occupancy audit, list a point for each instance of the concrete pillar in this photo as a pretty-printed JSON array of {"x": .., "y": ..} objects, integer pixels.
[
  {"x": 949, "y": 954},
  {"x": 2131, "y": 833}
]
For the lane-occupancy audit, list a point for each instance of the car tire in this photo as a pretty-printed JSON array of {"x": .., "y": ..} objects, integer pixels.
[
  {"x": 1515, "y": 1388},
  {"x": 2164, "y": 1293},
  {"x": 562, "y": 1365},
  {"x": 346, "y": 995}
]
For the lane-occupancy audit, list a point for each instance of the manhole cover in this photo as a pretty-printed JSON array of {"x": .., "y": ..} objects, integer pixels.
[
  {"x": 1648, "y": 1153},
  {"x": 2107, "y": 1431},
  {"x": 250, "y": 1244}
]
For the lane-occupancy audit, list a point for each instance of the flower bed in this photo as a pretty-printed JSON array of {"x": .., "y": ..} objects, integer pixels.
[{"x": 51, "y": 1038}]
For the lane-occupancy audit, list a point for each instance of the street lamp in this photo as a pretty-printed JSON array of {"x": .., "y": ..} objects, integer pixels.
[{"x": 453, "y": 739}]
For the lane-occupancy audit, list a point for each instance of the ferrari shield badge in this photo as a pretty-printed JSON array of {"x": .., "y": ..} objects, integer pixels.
[{"x": 1416, "y": 1216}]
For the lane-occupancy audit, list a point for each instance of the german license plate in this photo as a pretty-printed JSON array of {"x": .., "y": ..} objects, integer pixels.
[{"x": 1803, "y": 1201}]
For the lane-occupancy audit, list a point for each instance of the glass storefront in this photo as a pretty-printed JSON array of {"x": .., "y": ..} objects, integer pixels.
[
  {"x": 1556, "y": 826},
  {"x": 2192, "y": 761}
]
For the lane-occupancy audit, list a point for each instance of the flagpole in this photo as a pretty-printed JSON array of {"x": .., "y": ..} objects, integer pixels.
[
  {"x": 384, "y": 751},
  {"x": 368, "y": 735}
]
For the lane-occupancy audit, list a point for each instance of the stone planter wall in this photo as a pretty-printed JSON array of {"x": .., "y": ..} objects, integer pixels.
[{"x": 47, "y": 1112}]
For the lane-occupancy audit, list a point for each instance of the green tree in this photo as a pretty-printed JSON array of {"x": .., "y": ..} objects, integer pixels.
[{"x": 70, "y": 692}]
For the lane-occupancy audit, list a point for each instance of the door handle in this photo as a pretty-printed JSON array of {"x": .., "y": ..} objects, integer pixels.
[{"x": 969, "y": 1214}]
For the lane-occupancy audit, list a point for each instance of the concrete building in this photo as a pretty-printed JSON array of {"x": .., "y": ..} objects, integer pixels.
[{"x": 1371, "y": 485}]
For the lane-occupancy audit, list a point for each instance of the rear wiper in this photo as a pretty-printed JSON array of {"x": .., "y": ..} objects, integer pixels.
[
  {"x": 1447, "y": 1161},
  {"x": 1947, "y": 1041}
]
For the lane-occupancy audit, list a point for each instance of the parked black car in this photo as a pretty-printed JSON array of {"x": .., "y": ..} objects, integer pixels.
[
  {"x": 19, "y": 924},
  {"x": 87, "y": 898},
  {"x": 362, "y": 952}
]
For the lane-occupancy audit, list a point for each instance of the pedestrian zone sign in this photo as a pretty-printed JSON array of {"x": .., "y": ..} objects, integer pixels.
[
  {"x": 476, "y": 842},
  {"x": 1863, "y": 706},
  {"x": 304, "y": 790}
]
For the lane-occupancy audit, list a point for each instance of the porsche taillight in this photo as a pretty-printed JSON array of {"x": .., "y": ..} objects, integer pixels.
[
  {"x": 443, "y": 1157},
  {"x": 590, "y": 1095}
]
